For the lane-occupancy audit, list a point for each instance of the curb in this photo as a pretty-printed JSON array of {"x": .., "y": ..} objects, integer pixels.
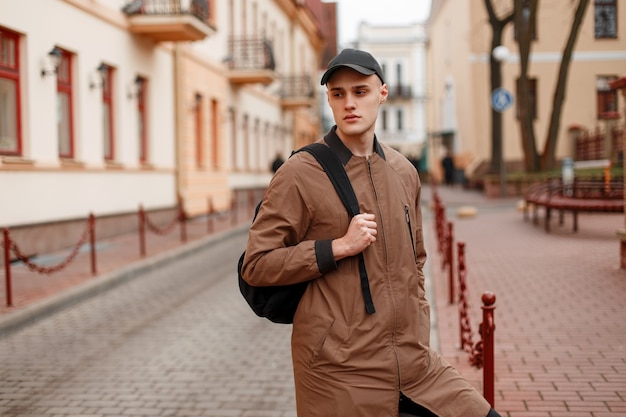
[{"x": 18, "y": 319}]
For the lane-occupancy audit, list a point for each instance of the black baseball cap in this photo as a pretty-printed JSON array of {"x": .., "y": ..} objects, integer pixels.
[{"x": 360, "y": 61}]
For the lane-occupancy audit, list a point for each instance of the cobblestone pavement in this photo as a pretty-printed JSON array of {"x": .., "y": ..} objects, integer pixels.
[{"x": 154, "y": 336}]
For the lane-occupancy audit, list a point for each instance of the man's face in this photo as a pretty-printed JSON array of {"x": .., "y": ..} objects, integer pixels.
[{"x": 354, "y": 100}]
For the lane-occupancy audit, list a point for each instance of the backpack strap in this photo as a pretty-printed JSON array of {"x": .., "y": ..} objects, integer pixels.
[{"x": 338, "y": 176}]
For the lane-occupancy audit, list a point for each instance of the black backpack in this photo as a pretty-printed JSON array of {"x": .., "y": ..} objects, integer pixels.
[{"x": 279, "y": 303}]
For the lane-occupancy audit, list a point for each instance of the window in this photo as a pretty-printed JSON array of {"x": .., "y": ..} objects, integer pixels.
[
  {"x": 107, "y": 113},
  {"x": 10, "y": 132},
  {"x": 605, "y": 19},
  {"x": 383, "y": 119},
  {"x": 607, "y": 98},
  {"x": 142, "y": 117},
  {"x": 199, "y": 122},
  {"x": 65, "y": 129},
  {"x": 532, "y": 99},
  {"x": 214, "y": 134},
  {"x": 399, "y": 120}
]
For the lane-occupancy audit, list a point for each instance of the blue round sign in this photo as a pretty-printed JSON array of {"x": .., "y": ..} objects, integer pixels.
[{"x": 501, "y": 99}]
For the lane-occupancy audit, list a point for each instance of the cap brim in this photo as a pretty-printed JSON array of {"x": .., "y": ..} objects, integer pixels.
[{"x": 358, "y": 68}]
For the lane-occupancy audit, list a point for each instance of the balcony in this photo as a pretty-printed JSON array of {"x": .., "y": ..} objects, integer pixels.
[
  {"x": 170, "y": 20},
  {"x": 296, "y": 91},
  {"x": 250, "y": 61},
  {"x": 399, "y": 91}
]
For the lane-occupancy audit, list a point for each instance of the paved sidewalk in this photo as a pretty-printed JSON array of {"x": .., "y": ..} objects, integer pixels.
[
  {"x": 560, "y": 309},
  {"x": 560, "y": 338}
]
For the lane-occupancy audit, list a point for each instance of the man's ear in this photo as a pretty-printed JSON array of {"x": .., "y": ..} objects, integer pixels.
[{"x": 384, "y": 93}]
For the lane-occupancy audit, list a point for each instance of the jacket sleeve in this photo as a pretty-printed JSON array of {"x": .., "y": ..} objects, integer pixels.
[{"x": 278, "y": 251}]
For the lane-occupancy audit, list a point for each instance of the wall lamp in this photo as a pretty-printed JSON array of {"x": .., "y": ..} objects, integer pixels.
[
  {"x": 197, "y": 101},
  {"x": 98, "y": 77},
  {"x": 134, "y": 87},
  {"x": 51, "y": 62}
]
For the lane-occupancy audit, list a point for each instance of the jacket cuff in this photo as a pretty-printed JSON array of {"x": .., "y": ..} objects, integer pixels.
[{"x": 324, "y": 254}]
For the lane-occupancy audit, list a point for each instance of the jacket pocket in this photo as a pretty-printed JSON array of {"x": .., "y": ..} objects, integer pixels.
[
  {"x": 408, "y": 223},
  {"x": 327, "y": 348}
]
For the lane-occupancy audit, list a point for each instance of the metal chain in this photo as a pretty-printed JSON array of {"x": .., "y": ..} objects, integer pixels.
[
  {"x": 164, "y": 230},
  {"x": 55, "y": 268}
]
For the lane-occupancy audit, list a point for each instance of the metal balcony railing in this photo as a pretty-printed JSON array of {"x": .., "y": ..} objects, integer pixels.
[
  {"x": 400, "y": 91},
  {"x": 197, "y": 8},
  {"x": 296, "y": 87},
  {"x": 250, "y": 54}
]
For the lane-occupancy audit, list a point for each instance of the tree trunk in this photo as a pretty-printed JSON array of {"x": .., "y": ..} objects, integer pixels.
[
  {"x": 495, "y": 71},
  {"x": 525, "y": 27},
  {"x": 549, "y": 150}
]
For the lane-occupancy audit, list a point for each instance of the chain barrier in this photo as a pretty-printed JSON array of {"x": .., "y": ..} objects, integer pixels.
[
  {"x": 161, "y": 231},
  {"x": 481, "y": 353},
  {"x": 55, "y": 268}
]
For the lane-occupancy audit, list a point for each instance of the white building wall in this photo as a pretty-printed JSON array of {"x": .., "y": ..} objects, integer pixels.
[
  {"x": 42, "y": 187},
  {"x": 403, "y": 47}
]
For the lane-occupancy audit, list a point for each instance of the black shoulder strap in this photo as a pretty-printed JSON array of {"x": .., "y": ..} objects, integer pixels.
[{"x": 338, "y": 176}]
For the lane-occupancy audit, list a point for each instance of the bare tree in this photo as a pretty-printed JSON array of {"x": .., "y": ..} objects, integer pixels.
[
  {"x": 524, "y": 16},
  {"x": 495, "y": 70},
  {"x": 548, "y": 157}
]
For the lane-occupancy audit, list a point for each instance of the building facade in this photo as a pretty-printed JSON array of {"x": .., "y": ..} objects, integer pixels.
[
  {"x": 401, "y": 52},
  {"x": 459, "y": 106},
  {"x": 116, "y": 104}
]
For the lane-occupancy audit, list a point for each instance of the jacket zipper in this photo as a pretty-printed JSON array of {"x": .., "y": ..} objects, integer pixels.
[
  {"x": 380, "y": 216},
  {"x": 408, "y": 222}
]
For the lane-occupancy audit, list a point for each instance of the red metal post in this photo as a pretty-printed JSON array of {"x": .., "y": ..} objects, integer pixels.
[
  {"x": 142, "y": 231},
  {"x": 182, "y": 218},
  {"x": 210, "y": 226},
  {"x": 92, "y": 243},
  {"x": 450, "y": 249},
  {"x": 233, "y": 209},
  {"x": 488, "y": 328},
  {"x": 7, "y": 266}
]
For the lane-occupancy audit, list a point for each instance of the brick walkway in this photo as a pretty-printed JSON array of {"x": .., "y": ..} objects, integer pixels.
[
  {"x": 560, "y": 315},
  {"x": 560, "y": 311}
]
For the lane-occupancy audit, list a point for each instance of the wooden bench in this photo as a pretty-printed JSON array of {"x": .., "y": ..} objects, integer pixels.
[{"x": 591, "y": 196}]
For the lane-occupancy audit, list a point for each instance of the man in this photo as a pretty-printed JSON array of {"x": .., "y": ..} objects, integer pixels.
[{"x": 349, "y": 362}]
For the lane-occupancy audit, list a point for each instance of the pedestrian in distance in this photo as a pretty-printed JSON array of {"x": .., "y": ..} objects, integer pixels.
[
  {"x": 349, "y": 360},
  {"x": 447, "y": 163},
  {"x": 277, "y": 162}
]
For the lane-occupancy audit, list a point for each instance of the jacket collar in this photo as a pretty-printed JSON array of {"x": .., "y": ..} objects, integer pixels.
[{"x": 342, "y": 151}]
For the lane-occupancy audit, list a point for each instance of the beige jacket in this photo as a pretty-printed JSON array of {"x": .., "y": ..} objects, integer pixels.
[{"x": 348, "y": 363}]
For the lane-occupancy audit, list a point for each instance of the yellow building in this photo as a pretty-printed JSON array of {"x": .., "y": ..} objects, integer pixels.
[{"x": 459, "y": 108}]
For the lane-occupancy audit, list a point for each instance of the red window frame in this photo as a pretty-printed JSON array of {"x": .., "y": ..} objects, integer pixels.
[
  {"x": 108, "y": 131},
  {"x": 142, "y": 84},
  {"x": 214, "y": 133},
  {"x": 64, "y": 88},
  {"x": 10, "y": 70},
  {"x": 199, "y": 122}
]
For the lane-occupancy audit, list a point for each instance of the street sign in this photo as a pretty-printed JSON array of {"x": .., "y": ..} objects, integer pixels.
[{"x": 501, "y": 99}]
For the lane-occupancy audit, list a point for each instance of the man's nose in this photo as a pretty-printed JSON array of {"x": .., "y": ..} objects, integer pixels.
[{"x": 349, "y": 101}]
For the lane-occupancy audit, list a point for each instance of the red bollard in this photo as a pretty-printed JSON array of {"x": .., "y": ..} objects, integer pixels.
[
  {"x": 182, "y": 219},
  {"x": 142, "y": 231},
  {"x": 210, "y": 226},
  {"x": 488, "y": 328},
  {"x": 92, "y": 243},
  {"x": 450, "y": 256},
  {"x": 7, "y": 266},
  {"x": 233, "y": 210}
]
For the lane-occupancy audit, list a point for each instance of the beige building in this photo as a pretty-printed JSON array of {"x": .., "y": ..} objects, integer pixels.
[
  {"x": 459, "y": 112},
  {"x": 117, "y": 104}
]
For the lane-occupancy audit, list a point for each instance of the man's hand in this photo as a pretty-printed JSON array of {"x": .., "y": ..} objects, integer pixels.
[{"x": 361, "y": 233}]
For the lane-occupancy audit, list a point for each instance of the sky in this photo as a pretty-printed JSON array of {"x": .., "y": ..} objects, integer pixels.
[{"x": 352, "y": 12}]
